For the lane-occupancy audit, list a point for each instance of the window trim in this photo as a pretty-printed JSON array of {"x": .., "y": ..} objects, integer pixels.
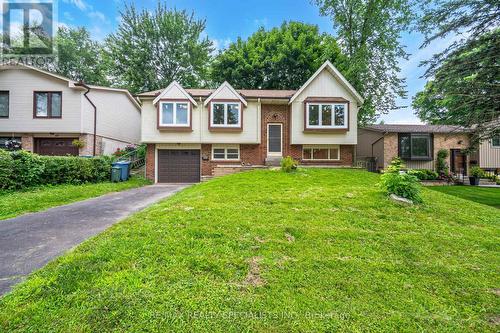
[
  {"x": 225, "y": 127},
  {"x": 49, "y": 104},
  {"x": 6, "y": 92},
  {"x": 417, "y": 158},
  {"x": 225, "y": 154},
  {"x": 176, "y": 127},
  {"x": 327, "y": 101},
  {"x": 493, "y": 145},
  {"x": 321, "y": 159}
]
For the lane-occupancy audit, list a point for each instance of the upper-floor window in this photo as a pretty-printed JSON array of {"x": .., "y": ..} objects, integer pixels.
[
  {"x": 4, "y": 104},
  {"x": 495, "y": 141},
  {"x": 175, "y": 114},
  {"x": 415, "y": 146},
  {"x": 326, "y": 115},
  {"x": 225, "y": 114},
  {"x": 48, "y": 104}
]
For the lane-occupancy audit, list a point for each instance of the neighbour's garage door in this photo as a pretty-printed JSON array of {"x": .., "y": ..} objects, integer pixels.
[
  {"x": 178, "y": 166},
  {"x": 55, "y": 147}
]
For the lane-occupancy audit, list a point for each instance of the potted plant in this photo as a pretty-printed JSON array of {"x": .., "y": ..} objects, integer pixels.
[
  {"x": 78, "y": 144},
  {"x": 475, "y": 175}
]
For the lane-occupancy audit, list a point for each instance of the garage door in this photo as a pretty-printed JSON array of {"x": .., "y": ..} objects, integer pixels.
[
  {"x": 178, "y": 166},
  {"x": 55, "y": 147}
]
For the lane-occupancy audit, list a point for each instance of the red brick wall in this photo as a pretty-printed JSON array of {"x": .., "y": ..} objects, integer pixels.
[
  {"x": 249, "y": 154},
  {"x": 346, "y": 157},
  {"x": 150, "y": 162}
]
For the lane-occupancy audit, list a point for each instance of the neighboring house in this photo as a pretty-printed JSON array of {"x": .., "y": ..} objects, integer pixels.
[
  {"x": 46, "y": 112},
  {"x": 417, "y": 145},
  {"x": 488, "y": 154},
  {"x": 192, "y": 133}
]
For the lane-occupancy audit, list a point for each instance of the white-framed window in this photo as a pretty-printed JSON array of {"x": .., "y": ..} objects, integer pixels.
[
  {"x": 225, "y": 114},
  {"x": 495, "y": 141},
  {"x": 226, "y": 153},
  {"x": 175, "y": 114},
  {"x": 326, "y": 115},
  {"x": 319, "y": 153}
]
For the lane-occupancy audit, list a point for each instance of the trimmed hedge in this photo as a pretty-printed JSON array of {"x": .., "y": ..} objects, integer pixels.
[{"x": 22, "y": 169}]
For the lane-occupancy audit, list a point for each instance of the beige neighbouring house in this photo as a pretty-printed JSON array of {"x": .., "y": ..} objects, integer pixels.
[
  {"x": 194, "y": 133},
  {"x": 46, "y": 112}
]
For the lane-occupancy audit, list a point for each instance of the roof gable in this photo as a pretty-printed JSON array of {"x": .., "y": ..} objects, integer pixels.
[
  {"x": 174, "y": 87},
  {"x": 225, "y": 88},
  {"x": 337, "y": 75}
]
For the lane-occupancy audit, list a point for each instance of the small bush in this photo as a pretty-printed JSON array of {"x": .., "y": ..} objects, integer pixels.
[
  {"x": 22, "y": 169},
  {"x": 288, "y": 164},
  {"x": 477, "y": 172},
  {"x": 401, "y": 184},
  {"x": 423, "y": 174},
  {"x": 441, "y": 164}
]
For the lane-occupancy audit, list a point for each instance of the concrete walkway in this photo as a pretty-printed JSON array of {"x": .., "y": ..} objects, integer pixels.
[{"x": 30, "y": 241}]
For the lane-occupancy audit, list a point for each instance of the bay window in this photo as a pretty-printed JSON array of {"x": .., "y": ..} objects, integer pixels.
[
  {"x": 225, "y": 114},
  {"x": 4, "y": 104},
  {"x": 224, "y": 153},
  {"x": 47, "y": 104},
  {"x": 415, "y": 146},
  {"x": 326, "y": 115},
  {"x": 174, "y": 114},
  {"x": 321, "y": 153}
]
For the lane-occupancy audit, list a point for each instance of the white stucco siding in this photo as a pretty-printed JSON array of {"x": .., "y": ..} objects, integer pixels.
[
  {"x": 250, "y": 133},
  {"x": 324, "y": 85},
  {"x": 21, "y": 84},
  {"x": 489, "y": 156},
  {"x": 117, "y": 116},
  {"x": 200, "y": 130}
]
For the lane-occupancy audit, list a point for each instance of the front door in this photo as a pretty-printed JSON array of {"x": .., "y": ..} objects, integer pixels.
[
  {"x": 458, "y": 162},
  {"x": 275, "y": 140}
]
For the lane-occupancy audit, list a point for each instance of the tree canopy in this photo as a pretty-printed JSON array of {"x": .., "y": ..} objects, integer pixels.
[
  {"x": 79, "y": 57},
  {"x": 464, "y": 79},
  {"x": 370, "y": 32},
  {"x": 153, "y": 48},
  {"x": 280, "y": 58}
]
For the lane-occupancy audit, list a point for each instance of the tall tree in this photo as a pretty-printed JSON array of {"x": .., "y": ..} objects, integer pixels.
[
  {"x": 464, "y": 86},
  {"x": 153, "y": 48},
  {"x": 79, "y": 57},
  {"x": 370, "y": 32},
  {"x": 281, "y": 58}
]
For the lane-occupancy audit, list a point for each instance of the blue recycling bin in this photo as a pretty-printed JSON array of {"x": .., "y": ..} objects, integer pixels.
[{"x": 125, "y": 169}]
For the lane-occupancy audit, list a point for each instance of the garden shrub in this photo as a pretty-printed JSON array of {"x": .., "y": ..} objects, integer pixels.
[
  {"x": 477, "y": 172},
  {"x": 288, "y": 164},
  {"x": 23, "y": 169},
  {"x": 404, "y": 185},
  {"x": 423, "y": 174},
  {"x": 441, "y": 164}
]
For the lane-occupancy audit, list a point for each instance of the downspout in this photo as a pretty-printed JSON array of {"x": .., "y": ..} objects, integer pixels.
[{"x": 81, "y": 84}]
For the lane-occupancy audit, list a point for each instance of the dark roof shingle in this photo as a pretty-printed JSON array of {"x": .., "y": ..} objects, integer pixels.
[
  {"x": 247, "y": 93},
  {"x": 394, "y": 128}
]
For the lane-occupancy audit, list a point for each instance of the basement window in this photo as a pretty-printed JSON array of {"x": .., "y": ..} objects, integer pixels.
[
  {"x": 229, "y": 154},
  {"x": 321, "y": 153}
]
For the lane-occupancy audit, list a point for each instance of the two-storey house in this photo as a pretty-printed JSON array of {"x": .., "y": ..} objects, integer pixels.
[
  {"x": 46, "y": 113},
  {"x": 190, "y": 133}
]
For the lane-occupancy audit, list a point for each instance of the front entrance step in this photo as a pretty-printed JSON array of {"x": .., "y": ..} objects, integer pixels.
[{"x": 273, "y": 161}]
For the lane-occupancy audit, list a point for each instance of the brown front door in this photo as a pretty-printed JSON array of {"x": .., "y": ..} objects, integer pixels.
[
  {"x": 178, "y": 166},
  {"x": 458, "y": 162},
  {"x": 55, "y": 147}
]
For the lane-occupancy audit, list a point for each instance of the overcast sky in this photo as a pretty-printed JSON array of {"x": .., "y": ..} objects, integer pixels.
[{"x": 228, "y": 19}]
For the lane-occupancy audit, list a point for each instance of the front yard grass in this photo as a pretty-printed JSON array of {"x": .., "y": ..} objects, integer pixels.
[
  {"x": 317, "y": 250},
  {"x": 484, "y": 195},
  {"x": 15, "y": 203}
]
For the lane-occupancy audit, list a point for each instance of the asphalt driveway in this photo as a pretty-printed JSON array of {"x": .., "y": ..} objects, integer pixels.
[{"x": 30, "y": 241}]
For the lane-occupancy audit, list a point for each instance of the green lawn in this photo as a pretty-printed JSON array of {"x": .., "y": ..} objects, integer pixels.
[
  {"x": 485, "y": 195},
  {"x": 33, "y": 200},
  {"x": 263, "y": 251}
]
